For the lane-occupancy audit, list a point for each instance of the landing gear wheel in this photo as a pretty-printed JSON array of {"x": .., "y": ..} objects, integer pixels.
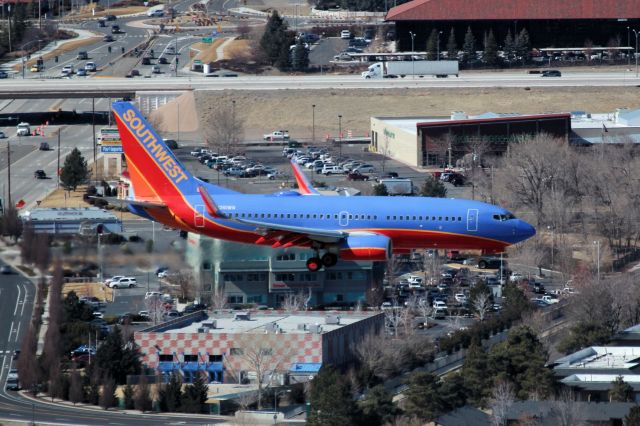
[
  {"x": 314, "y": 264},
  {"x": 329, "y": 259}
]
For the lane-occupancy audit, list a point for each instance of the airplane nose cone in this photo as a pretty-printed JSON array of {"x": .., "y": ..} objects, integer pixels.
[{"x": 524, "y": 231}]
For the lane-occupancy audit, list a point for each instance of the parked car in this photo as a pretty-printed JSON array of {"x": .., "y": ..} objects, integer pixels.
[
  {"x": 460, "y": 298},
  {"x": 3, "y": 74},
  {"x": 345, "y": 34},
  {"x": 150, "y": 294},
  {"x": 365, "y": 168},
  {"x": 124, "y": 282},
  {"x": 357, "y": 176},
  {"x": 39, "y": 174},
  {"x": 332, "y": 170}
]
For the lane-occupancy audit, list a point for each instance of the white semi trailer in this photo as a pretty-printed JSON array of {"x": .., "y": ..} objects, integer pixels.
[{"x": 394, "y": 69}]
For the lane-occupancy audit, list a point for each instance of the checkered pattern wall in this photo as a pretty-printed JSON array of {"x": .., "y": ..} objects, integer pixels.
[{"x": 285, "y": 348}]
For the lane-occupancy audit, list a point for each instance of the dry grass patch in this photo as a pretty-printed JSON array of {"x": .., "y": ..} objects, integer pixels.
[
  {"x": 98, "y": 290},
  {"x": 207, "y": 51},
  {"x": 87, "y": 14},
  {"x": 238, "y": 49}
]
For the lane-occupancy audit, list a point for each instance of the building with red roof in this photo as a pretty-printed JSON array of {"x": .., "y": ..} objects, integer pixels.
[{"x": 549, "y": 23}]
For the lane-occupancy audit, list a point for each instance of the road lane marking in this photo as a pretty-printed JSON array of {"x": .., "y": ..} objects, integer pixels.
[{"x": 15, "y": 311}]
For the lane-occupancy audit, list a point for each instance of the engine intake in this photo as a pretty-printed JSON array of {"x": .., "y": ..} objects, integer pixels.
[{"x": 366, "y": 247}]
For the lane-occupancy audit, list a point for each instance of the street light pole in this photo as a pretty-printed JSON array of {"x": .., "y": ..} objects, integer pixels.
[
  {"x": 413, "y": 71},
  {"x": 313, "y": 123},
  {"x": 438, "y": 47},
  {"x": 9, "y": 172},
  {"x": 635, "y": 53},
  {"x": 628, "y": 46},
  {"x": 340, "y": 134},
  {"x": 597, "y": 243}
]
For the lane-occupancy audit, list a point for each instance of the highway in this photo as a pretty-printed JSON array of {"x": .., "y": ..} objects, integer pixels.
[{"x": 81, "y": 88}]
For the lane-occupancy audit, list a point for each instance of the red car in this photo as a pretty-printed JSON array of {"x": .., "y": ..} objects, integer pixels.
[{"x": 357, "y": 176}]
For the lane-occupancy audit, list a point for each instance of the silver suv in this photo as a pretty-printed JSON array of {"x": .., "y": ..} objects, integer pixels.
[{"x": 124, "y": 282}]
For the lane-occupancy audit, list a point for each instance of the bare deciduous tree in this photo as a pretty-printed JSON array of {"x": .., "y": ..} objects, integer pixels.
[
  {"x": 293, "y": 302},
  {"x": 187, "y": 284},
  {"x": 482, "y": 305},
  {"x": 155, "y": 307},
  {"x": 225, "y": 129},
  {"x": 76, "y": 391},
  {"x": 218, "y": 299},
  {"x": 567, "y": 411},
  {"x": 502, "y": 398}
]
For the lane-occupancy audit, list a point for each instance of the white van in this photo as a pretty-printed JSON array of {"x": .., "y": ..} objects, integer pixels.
[
  {"x": 23, "y": 129},
  {"x": 345, "y": 34}
]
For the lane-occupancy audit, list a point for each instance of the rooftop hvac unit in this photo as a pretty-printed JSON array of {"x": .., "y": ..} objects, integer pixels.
[
  {"x": 459, "y": 115},
  {"x": 315, "y": 328},
  {"x": 202, "y": 329},
  {"x": 302, "y": 327},
  {"x": 332, "y": 319},
  {"x": 242, "y": 316},
  {"x": 210, "y": 324},
  {"x": 272, "y": 327}
]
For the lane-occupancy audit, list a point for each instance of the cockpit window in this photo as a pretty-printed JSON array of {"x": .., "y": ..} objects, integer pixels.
[{"x": 503, "y": 217}]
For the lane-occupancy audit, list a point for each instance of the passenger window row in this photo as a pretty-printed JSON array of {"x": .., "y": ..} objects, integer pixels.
[
  {"x": 426, "y": 218},
  {"x": 300, "y": 216}
]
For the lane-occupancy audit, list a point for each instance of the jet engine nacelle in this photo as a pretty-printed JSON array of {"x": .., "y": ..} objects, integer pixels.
[{"x": 369, "y": 247}]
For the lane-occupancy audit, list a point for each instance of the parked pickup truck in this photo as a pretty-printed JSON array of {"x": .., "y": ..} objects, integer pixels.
[{"x": 277, "y": 135}]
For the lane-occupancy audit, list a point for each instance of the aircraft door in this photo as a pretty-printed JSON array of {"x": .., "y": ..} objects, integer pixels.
[
  {"x": 344, "y": 218},
  {"x": 472, "y": 219},
  {"x": 198, "y": 216}
]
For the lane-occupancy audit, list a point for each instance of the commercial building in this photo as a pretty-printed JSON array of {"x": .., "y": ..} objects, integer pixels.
[
  {"x": 590, "y": 372},
  {"x": 60, "y": 221},
  {"x": 549, "y": 23},
  {"x": 262, "y": 275},
  {"x": 438, "y": 141},
  {"x": 223, "y": 345},
  {"x": 425, "y": 141}
]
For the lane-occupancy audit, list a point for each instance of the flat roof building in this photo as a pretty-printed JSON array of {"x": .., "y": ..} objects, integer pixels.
[
  {"x": 599, "y": 360},
  {"x": 222, "y": 345},
  {"x": 261, "y": 275},
  {"x": 72, "y": 220}
]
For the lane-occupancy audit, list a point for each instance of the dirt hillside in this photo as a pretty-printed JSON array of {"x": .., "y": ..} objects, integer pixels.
[
  {"x": 264, "y": 111},
  {"x": 182, "y": 110}
]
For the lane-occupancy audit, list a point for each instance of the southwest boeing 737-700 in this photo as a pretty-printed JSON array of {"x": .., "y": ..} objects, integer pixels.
[{"x": 349, "y": 228}]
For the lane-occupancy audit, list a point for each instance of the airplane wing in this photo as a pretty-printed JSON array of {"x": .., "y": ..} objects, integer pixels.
[
  {"x": 304, "y": 185},
  {"x": 278, "y": 234},
  {"x": 139, "y": 203}
]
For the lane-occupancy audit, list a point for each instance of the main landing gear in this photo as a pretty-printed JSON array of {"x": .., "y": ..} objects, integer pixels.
[{"x": 327, "y": 260}]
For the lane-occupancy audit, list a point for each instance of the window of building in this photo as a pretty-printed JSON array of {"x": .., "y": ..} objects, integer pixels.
[
  {"x": 233, "y": 277},
  {"x": 215, "y": 358},
  {"x": 257, "y": 298},
  {"x": 165, "y": 358},
  {"x": 235, "y": 299},
  {"x": 308, "y": 276},
  {"x": 349, "y": 275},
  {"x": 286, "y": 256},
  {"x": 334, "y": 276},
  {"x": 206, "y": 266},
  {"x": 190, "y": 358},
  {"x": 256, "y": 277},
  {"x": 236, "y": 351},
  {"x": 285, "y": 277}
]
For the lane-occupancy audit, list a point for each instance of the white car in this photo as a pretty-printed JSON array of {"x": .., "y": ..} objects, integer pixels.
[
  {"x": 345, "y": 34},
  {"x": 124, "y": 282},
  {"x": 516, "y": 277},
  {"x": 414, "y": 279},
  {"x": 460, "y": 297},
  {"x": 439, "y": 304},
  {"x": 68, "y": 69},
  {"x": 112, "y": 279},
  {"x": 365, "y": 168},
  {"x": 163, "y": 274},
  {"x": 150, "y": 294},
  {"x": 90, "y": 67},
  {"x": 332, "y": 170}
]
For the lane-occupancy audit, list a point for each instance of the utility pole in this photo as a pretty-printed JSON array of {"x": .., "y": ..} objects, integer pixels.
[
  {"x": 9, "y": 172},
  {"x": 413, "y": 70},
  {"x": 313, "y": 123},
  {"x": 58, "y": 168},
  {"x": 340, "y": 134},
  {"x": 93, "y": 128}
]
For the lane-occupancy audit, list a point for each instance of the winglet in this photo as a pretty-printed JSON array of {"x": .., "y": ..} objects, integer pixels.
[
  {"x": 304, "y": 185},
  {"x": 211, "y": 206}
]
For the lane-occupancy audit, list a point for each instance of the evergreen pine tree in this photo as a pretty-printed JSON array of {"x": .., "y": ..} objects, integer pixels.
[
  {"x": 477, "y": 379},
  {"x": 107, "y": 396},
  {"x": 283, "y": 62},
  {"x": 76, "y": 391},
  {"x": 380, "y": 189},
  {"x": 509, "y": 48},
  {"x": 11, "y": 223},
  {"x": 469, "y": 47},
  {"x": 523, "y": 46},
  {"x": 75, "y": 171},
  {"x": 331, "y": 400},
  {"x": 271, "y": 40},
  {"x": 452, "y": 46},
  {"x": 300, "y": 60},
  {"x": 432, "y": 45},
  {"x": 195, "y": 396},
  {"x": 490, "y": 54},
  {"x": 128, "y": 393},
  {"x": 171, "y": 394},
  {"x": 378, "y": 407},
  {"x": 432, "y": 187},
  {"x": 633, "y": 416},
  {"x": 423, "y": 396},
  {"x": 621, "y": 391},
  {"x": 142, "y": 397}
]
